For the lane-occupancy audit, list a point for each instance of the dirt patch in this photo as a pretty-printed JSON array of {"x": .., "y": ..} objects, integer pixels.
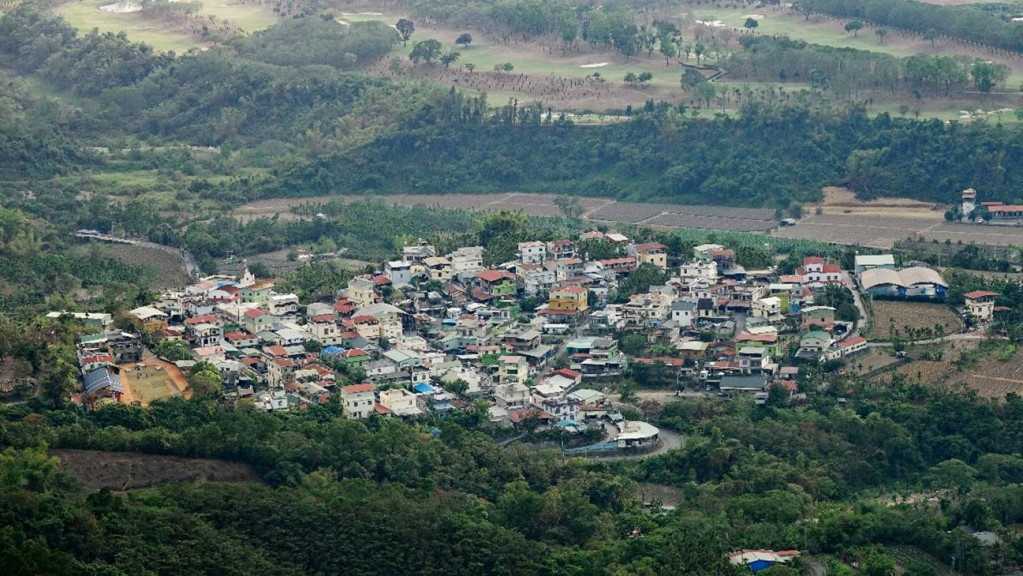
[
  {"x": 152, "y": 380},
  {"x": 96, "y": 469}
]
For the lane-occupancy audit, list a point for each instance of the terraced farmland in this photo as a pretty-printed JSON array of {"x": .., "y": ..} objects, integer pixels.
[{"x": 993, "y": 378}]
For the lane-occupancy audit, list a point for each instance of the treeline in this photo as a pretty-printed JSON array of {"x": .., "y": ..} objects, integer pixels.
[
  {"x": 607, "y": 25},
  {"x": 849, "y": 71},
  {"x": 319, "y": 40},
  {"x": 963, "y": 22},
  {"x": 768, "y": 156}
]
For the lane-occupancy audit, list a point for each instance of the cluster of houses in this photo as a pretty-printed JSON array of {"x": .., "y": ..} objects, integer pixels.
[{"x": 433, "y": 332}]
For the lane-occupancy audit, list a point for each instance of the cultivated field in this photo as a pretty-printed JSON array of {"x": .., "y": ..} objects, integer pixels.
[
  {"x": 911, "y": 320},
  {"x": 152, "y": 380},
  {"x": 96, "y": 469},
  {"x": 601, "y": 209},
  {"x": 993, "y": 378},
  {"x": 917, "y": 372},
  {"x": 873, "y": 359},
  {"x": 882, "y": 231},
  {"x": 163, "y": 269}
]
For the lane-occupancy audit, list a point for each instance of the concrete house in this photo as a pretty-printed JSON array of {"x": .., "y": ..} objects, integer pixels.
[
  {"x": 532, "y": 252},
  {"x": 358, "y": 400}
]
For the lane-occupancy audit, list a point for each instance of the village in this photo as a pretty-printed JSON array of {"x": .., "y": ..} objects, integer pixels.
[{"x": 428, "y": 334}]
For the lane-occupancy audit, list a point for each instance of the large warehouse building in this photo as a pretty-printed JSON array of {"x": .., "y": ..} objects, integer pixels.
[{"x": 915, "y": 282}]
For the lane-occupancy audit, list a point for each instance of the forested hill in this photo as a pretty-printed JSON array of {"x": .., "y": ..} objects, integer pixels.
[
  {"x": 769, "y": 156},
  {"x": 291, "y": 99}
]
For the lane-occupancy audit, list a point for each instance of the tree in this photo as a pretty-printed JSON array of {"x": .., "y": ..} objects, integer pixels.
[
  {"x": 881, "y": 33},
  {"x": 691, "y": 79},
  {"x": 449, "y": 58},
  {"x": 854, "y": 26},
  {"x": 931, "y": 34},
  {"x": 405, "y": 29},
  {"x": 630, "y": 78},
  {"x": 425, "y": 51},
  {"x": 470, "y": 67},
  {"x": 173, "y": 350},
  {"x": 507, "y": 67},
  {"x": 984, "y": 77},
  {"x": 645, "y": 78},
  {"x": 668, "y": 48},
  {"x": 750, "y": 24},
  {"x": 705, "y": 92},
  {"x": 464, "y": 39},
  {"x": 570, "y": 206},
  {"x": 699, "y": 49},
  {"x": 205, "y": 381}
]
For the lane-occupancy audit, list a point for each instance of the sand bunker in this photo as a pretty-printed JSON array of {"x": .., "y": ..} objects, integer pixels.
[
  {"x": 122, "y": 7},
  {"x": 597, "y": 65}
]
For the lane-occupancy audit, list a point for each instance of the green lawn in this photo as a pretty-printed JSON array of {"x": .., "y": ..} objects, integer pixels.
[
  {"x": 797, "y": 28},
  {"x": 248, "y": 17},
  {"x": 86, "y": 15}
]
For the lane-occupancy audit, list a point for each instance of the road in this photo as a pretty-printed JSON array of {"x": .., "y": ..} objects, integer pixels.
[
  {"x": 669, "y": 441},
  {"x": 949, "y": 338},
  {"x": 857, "y": 300}
]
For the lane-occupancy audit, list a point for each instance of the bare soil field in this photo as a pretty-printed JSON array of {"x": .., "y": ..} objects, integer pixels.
[
  {"x": 917, "y": 372},
  {"x": 909, "y": 318},
  {"x": 881, "y": 230},
  {"x": 840, "y": 200},
  {"x": 993, "y": 378},
  {"x": 152, "y": 380},
  {"x": 166, "y": 269},
  {"x": 96, "y": 469},
  {"x": 873, "y": 359},
  {"x": 602, "y": 209}
]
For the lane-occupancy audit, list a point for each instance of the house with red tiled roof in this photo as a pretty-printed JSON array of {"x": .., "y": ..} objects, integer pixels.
[
  {"x": 240, "y": 339},
  {"x": 280, "y": 370},
  {"x": 981, "y": 304},
  {"x": 497, "y": 284},
  {"x": 324, "y": 329},
  {"x": 358, "y": 400}
]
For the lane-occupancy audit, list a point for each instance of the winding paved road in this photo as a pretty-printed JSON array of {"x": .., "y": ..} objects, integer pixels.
[{"x": 669, "y": 441}]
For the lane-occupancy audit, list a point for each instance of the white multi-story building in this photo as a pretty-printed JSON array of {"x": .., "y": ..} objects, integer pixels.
[
  {"x": 399, "y": 271},
  {"x": 532, "y": 252},
  {"x": 700, "y": 271},
  {"x": 466, "y": 262}
]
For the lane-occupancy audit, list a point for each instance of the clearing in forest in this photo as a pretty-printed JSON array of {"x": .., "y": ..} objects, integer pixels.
[{"x": 97, "y": 469}]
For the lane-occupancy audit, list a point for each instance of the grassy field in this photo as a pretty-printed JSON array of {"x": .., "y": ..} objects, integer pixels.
[
  {"x": 86, "y": 15},
  {"x": 164, "y": 270},
  {"x": 784, "y": 22},
  {"x": 248, "y": 17}
]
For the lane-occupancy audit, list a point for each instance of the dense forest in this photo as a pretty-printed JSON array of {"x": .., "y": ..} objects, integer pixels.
[
  {"x": 441, "y": 496},
  {"x": 347, "y": 133}
]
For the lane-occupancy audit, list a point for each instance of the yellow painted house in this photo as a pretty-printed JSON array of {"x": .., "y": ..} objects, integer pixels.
[
  {"x": 568, "y": 300},
  {"x": 439, "y": 268},
  {"x": 512, "y": 369}
]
